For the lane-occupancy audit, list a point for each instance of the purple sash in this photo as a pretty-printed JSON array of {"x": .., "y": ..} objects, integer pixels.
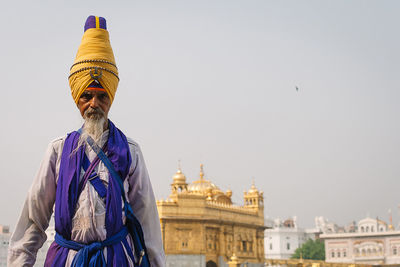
[{"x": 67, "y": 195}]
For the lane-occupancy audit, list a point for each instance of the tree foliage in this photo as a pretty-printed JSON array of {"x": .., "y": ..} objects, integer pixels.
[{"x": 311, "y": 250}]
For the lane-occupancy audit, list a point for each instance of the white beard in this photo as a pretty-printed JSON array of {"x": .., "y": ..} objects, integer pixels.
[{"x": 93, "y": 126}]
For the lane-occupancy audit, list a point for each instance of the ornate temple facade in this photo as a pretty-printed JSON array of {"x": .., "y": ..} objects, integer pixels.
[{"x": 201, "y": 227}]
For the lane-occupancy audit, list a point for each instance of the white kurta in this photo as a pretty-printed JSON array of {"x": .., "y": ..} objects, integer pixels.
[{"x": 88, "y": 223}]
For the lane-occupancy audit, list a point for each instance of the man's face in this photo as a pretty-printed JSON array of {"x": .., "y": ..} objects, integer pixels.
[{"x": 95, "y": 99}]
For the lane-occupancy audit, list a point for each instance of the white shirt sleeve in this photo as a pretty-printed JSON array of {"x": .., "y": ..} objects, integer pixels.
[
  {"x": 143, "y": 203},
  {"x": 29, "y": 234}
]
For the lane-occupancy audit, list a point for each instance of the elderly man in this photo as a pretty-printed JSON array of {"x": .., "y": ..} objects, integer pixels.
[{"x": 95, "y": 178}]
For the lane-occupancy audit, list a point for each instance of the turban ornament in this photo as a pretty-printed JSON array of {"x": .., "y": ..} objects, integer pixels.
[{"x": 94, "y": 62}]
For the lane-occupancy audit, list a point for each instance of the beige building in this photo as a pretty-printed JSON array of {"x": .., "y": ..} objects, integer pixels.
[
  {"x": 201, "y": 227},
  {"x": 371, "y": 242}
]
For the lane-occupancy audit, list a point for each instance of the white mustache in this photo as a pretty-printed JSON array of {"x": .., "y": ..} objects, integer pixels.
[{"x": 96, "y": 112}]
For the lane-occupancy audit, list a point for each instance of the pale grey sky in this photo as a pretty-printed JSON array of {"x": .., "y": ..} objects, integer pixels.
[{"x": 213, "y": 82}]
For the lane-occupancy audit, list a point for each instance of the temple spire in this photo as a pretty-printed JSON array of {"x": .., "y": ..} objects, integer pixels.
[{"x": 201, "y": 172}]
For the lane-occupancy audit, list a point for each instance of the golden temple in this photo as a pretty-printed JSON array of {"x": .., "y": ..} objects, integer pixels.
[{"x": 202, "y": 227}]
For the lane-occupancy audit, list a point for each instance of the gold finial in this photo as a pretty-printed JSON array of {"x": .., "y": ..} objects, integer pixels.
[
  {"x": 391, "y": 227},
  {"x": 179, "y": 166},
  {"x": 201, "y": 172}
]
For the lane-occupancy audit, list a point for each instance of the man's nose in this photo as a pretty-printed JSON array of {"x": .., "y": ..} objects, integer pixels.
[{"x": 94, "y": 102}]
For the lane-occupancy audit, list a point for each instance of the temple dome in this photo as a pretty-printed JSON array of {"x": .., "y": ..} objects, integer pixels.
[
  {"x": 179, "y": 177},
  {"x": 204, "y": 186}
]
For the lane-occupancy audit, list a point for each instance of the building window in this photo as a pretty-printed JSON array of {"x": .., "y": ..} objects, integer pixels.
[
  {"x": 333, "y": 254},
  {"x": 270, "y": 246},
  {"x": 362, "y": 228},
  {"x": 288, "y": 246},
  {"x": 338, "y": 254},
  {"x": 372, "y": 228},
  {"x": 394, "y": 251},
  {"x": 367, "y": 229},
  {"x": 184, "y": 244},
  {"x": 244, "y": 246},
  {"x": 344, "y": 254}
]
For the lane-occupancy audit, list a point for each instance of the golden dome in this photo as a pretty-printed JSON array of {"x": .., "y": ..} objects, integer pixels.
[
  {"x": 203, "y": 186},
  {"x": 253, "y": 189},
  {"x": 179, "y": 177}
]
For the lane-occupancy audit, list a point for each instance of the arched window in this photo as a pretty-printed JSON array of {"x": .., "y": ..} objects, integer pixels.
[{"x": 367, "y": 229}]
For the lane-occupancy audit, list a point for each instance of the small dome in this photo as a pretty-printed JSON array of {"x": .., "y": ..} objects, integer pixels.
[
  {"x": 253, "y": 189},
  {"x": 179, "y": 177}
]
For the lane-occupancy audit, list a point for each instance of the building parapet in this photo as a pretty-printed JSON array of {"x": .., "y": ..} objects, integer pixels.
[{"x": 358, "y": 234}]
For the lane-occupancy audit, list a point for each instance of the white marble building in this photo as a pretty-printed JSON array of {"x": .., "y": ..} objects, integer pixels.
[
  {"x": 372, "y": 242},
  {"x": 284, "y": 238}
]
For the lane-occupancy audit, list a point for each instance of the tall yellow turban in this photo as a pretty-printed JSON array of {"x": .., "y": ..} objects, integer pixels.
[{"x": 94, "y": 61}]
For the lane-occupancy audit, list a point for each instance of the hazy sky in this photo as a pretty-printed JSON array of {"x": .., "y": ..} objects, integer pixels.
[{"x": 213, "y": 82}]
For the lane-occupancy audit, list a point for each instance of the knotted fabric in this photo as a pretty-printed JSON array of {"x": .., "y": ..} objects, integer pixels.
[
  {"x": 85, "y": 252},
  {"x": 67, "y": 195},
  {"x": 94, "y": 60}
]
